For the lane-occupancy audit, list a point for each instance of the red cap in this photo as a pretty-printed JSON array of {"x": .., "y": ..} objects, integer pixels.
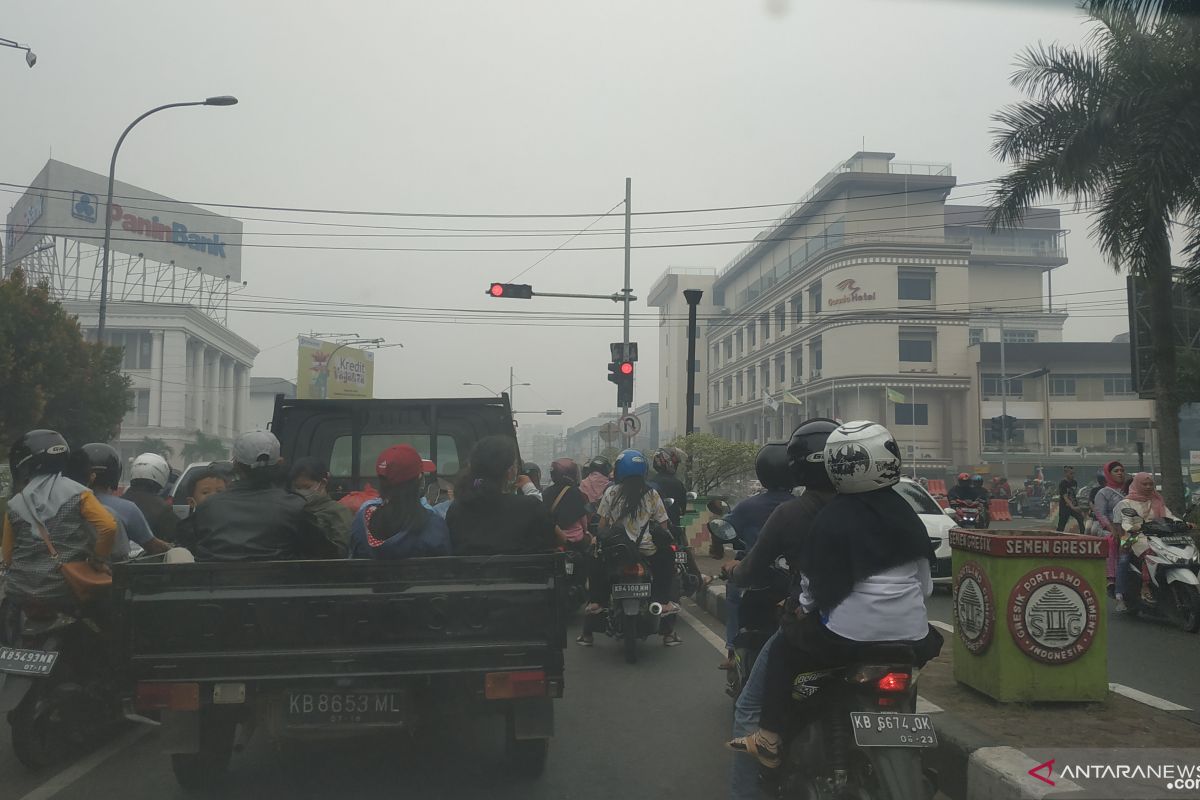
[
  {"x": 400, "y": 463},
  {"x": 428, "y": 466}
]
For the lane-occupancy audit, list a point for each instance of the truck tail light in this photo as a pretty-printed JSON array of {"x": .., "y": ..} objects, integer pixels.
[
  {"x": 511, "y": 685},
  {"x": 167, "y": 697}
]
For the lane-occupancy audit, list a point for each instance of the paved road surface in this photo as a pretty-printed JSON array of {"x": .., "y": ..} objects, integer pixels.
[{"x": 654, "y": 729}]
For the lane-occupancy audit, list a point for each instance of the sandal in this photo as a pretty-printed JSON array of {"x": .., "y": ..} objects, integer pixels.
[
  {"x": 1148, "y": 596},
  {"x": 671, "y": 639},
  {"x": 755, "y": 745},
  {"x": 584, "y": 640}
]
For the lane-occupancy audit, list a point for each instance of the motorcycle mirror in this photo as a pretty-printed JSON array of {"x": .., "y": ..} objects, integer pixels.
[
  {"x": 722, "y": 531},
  {"x": 1128, "y": 512},
  {"x": 718, "y": 507},
  {"x": 669, "y": 501},
  {"x": 692, "y": 495}
]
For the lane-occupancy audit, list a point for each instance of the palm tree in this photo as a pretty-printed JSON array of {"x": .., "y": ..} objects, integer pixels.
[
  {"x": 1115, "y": 124},
  {"x": 158, "y": 446},
  {"x": 205, "y": 448}
]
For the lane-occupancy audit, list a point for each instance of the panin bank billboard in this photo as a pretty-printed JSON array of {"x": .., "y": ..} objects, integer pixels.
[{"x": 68, "y": 201}]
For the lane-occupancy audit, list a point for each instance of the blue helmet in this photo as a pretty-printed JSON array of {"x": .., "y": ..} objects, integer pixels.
[{"x": 630, "y": 462}]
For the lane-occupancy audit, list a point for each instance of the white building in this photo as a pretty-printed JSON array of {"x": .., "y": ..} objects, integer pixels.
[
  {"x": 262, "y": 400},
  {"x": 667, "y": 295},
  {"x": 189, "y": 373}
]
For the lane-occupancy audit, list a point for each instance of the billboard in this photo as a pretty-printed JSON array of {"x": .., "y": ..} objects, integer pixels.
[
  {"x": 332, "y": 371},
  {"x": 1186, "y": 319},
  {"x": 64, "y": 200}
]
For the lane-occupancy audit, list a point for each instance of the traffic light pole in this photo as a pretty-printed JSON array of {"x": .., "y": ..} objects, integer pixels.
[
  {"x": 1003, "y": 406},
  {"x": 627, "y": 290}
]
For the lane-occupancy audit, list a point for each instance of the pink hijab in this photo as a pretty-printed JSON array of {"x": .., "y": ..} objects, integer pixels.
[
  {"x": 1109, "y": 480},
  {"x": 1158, "y": 509}
]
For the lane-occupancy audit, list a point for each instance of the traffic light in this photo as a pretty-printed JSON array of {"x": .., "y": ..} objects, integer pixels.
[
  {"x": 521, "y": 291},
  {"x": 621, "y": 373},
  {"x": 1002, "y": 432}
]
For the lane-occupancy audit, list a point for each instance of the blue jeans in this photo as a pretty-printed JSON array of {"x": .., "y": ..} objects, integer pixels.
[
  {"x": 743, "y": 779},
  {"x": 733, "y": 600}
]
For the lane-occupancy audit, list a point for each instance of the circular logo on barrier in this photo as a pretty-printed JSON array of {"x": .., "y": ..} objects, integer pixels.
[
  {"x": 974, "y": 608},
  {"x": 1053, "y": 614}
]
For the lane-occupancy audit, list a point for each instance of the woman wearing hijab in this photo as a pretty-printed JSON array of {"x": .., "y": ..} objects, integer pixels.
[
  {"x": 567, "y": 504},
  {"x": 1112, "y": 493},
  {"x": 1145, "y": 501}
]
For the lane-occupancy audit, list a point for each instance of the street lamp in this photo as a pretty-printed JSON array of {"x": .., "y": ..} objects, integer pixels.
[
  {"x": 220, "y": 100},
  {"x": 481, "y": 386},
  {"x": 30, "y": 56}
]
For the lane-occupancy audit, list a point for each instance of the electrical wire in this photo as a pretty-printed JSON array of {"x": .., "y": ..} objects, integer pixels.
[{"x": 567, "y": 242}]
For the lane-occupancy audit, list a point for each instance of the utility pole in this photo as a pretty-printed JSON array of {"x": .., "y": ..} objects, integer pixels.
[
  {"x": 1003, "y": 406},
  {"x": 628, "y": 290},
  {"x": 511, "y": 403},
  {"x": 693, "y": 300}
]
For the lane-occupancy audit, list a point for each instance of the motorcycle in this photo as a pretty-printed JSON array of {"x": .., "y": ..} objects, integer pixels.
[
  {"x": 1170, "y": 555},
  {"x": 970, "y": 513},
  {"x": 576, "y": 582},
  {"x": 630, "y": 615},
  {"x": 860, "y": 735},
  {"x": 758, "y": 611}
]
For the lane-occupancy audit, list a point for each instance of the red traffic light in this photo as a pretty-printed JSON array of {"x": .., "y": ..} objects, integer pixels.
[
  {"x": 522, "y": 291},
  {"x": 626, "y": 367},
  {"x": 497, "y": 290}
]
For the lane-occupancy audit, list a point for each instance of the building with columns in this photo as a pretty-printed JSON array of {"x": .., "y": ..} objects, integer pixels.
[{"x": 189, "y": 374}]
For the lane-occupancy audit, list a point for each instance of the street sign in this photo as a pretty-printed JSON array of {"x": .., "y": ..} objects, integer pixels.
[
  {"x": 619, "y": 353},
  {"x": 630, "y": 425},
  {"x": 609, "y": 431}
]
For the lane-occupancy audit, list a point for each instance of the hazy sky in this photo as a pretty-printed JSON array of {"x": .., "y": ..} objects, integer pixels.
[{"x": 510, "y": 108}]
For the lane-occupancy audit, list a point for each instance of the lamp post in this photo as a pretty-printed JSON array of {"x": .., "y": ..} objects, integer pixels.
[
  {"x": 221, "y": 100},
  {"x": 30, "y": 56}
]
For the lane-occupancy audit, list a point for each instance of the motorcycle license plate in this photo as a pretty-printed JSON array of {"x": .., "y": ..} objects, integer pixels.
[
  {"x": 892, "y": 730},
  {"x": 26, "y": 662},
  {"x": 681, "y": 557},
  {"x": 622, "y": 591},
  {"x": 570, "y": 568},
  {"x": 344, "y": 708}
]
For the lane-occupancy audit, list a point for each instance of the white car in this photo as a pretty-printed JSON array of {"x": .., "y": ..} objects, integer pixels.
[{"x": 938, "y": 523}]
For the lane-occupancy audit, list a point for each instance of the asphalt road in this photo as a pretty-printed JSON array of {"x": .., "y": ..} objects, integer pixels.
[{"x": 653, "y": 729}]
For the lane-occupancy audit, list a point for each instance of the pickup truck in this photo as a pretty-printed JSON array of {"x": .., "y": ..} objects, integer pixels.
[{"x": 315, "y": 649}]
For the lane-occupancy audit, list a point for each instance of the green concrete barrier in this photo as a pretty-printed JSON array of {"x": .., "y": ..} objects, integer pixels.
[{"x": 1029, "y": 614}]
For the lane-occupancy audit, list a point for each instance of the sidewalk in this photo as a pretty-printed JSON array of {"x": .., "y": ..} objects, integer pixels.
[{"x": 986, "y": 749}]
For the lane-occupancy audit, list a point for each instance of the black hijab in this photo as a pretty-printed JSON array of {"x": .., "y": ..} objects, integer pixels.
[{"x": 856, "y": 536}]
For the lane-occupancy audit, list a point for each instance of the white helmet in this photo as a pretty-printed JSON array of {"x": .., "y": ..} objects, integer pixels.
[
  {"x": 862, "y": 456},
  {"x": 150, "y": 467}
]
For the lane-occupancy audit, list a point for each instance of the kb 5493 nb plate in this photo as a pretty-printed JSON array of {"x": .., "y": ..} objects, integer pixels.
[
  {"x": 892, "y": 729},
  {"x": 26, "y": 662}
]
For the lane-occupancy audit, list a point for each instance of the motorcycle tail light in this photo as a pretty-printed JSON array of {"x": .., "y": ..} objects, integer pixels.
[
  {"x": 511, "y": 685},
  {"x": 167, "y": 697},
  {"x": 633, "y": 571},
  {"x": 894, "y": 682}
]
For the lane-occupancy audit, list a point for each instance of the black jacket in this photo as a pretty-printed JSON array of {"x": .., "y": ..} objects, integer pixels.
[
  {"x": 670, "y": 486},
  {"x": 156, "y": 511},
  {"x": 782, "y": 535},
  {"x": 257, "y": 523}
]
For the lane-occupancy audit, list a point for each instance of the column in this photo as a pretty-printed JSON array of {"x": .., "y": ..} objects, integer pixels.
[
  {"x": 241, "y": 399},
  {"x": 228, "y": 396},
  {"x": 175, "y": 380},
  {"x": 213, "y": 390},
  {"x": 197, "y": 384},
  {"x": 157, "y": 375}
]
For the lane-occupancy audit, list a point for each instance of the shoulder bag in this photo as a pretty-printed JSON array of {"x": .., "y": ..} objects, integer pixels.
[{"x": 85, "y": 580}]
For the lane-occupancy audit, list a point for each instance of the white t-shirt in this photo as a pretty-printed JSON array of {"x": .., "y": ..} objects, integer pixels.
[
  {"x": 651, "y": 508},
  {"x": 888, "y": 607}
]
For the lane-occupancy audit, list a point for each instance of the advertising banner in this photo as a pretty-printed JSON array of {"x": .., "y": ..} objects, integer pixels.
[
  {"x": 64, "y": 200},
  {"x": 332, "y": 371}
]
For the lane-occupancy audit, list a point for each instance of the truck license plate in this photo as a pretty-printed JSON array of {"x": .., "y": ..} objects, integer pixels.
[
  {"x": 26, "y": 662},
  {"x": 621, "y": 591},
  {"x": 892, "y": 730},
  {"x": 345, "y": 708}
]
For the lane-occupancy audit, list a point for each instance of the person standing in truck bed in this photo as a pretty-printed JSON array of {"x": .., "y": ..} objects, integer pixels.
[{"x": 486, "y": 517}]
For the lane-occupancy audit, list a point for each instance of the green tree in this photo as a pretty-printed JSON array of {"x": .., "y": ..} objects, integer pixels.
[
  {"x": 1115, "y": 124},
  {"x": 205, "y": 448},
  {"x": 712, "y": 460},
  {"x": 50, "y": 376},
  {"x": 157, "y": 446}
]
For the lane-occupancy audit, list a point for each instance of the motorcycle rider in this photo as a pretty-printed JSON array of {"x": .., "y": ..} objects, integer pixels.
[
  {"x": 1145, "y": 501},
  {"x": 257, "y": 519},
  {"x": 772, "y": 467},
  {"x": 866, "y": 575},
  {"x": 962, "y": 490},
  {"x": 148, "y": 475},
  {"x": 104, "y": 476},
  {"x": 567, "y": 504},
  {"x": 597, "y": 480},
  {"x": 782, "y": 535},
  {"x": 49, "y": 511}
]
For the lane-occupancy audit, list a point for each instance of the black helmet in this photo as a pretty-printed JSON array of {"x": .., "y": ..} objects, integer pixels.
[
  {"x": 773, "y": 468},
  {"x": 105, "y": 464},
  {"x": 600, "y": 464},
  {"x": 39, "y": 452},
  {"x": 806, "y": 453}
]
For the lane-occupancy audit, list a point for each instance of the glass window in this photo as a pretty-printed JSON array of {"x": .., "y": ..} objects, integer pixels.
[
  {"x": 136, "y": 344},
  {"x": 1064, "y": 435},
  {"x": 696, "y": 365},
  {"x": 375, "y": 443},
  {"x": 1062, "y": 387},
  {"x": 912, "y": 413},
  {"x": 991, "y": 386},
  {"x": 780, "y": 319},
  {"x": 975, "y": 336},
  {"x": 918, "y": 498},
  {"x": 915, "y": 285},
  {"x": 138, "y": 414},
  {"x": 1020, "y": 337},
  {"x": 815, "y": 298},
  {"x": 696, "y": 399},
  {"x": 780, "y": 370},
  {"x": 916, "y": 348},
  {"x": 766, "y": 376},
  {"x": 1116, "y": 385},
  {"x": 752, "y": 333},
  {"x": 798, "y": 373},
  {"x": 816, "y": 355}
]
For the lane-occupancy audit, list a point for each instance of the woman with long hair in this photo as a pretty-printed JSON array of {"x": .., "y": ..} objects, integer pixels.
[
  {"x": 395, "y": 524},
  {"x": 487, "y": 518}
]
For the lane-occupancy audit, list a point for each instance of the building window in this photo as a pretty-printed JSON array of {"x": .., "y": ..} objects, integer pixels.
[
  {"x": 1064, "y": 434},
  {"x": 798, "y": 372},
  {"x": 1119, "y": 434},
  {"x": 912, "y": 413},
  {"x": 766, "y": 376},
  {"x": 1117, "y": 385},
  {"x": 752, "y": 334},
  {"x": 136, "y": 344},
  {"x": 991, "y": 387},
  {"x": 696, "y": 365},
  {"x": 1020, "y": 337},
  {"x": 139, "y": 415},
  {"x": 781, "y": 370},
  {"x": 1062, "y": 387},
  {"x": 815, "y": 356},
  {"x": 765, "y": 322},
  {"x": 696, "y": 399},
  {"x": 728, "y": 391},
  {"x": 753, "y": 382},
  {"x": 915, "y": 284},
  {"x": 814, "y": 296},
  {"x": 739, "y": 387},
  {"x": 780, "y": 319},
  {"x": 797, "y": 309},
  {"x": 728, "y": 349},
  {"x": 975, "y": 336},
  {"x": 917, "y": 347}
]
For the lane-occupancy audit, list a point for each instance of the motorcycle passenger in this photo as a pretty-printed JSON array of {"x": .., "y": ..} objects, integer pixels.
[
  {"x": 257, "y": 519},
  {"x": 309, "y": 478},
  {"x": 148, "y": 474},
  {"x": 597, "y": 480},
  {"x": 1001, "y": 487},
  {"x": 782, "y": 535},
  {"x": 666, "y": 465},
  {"x": 487, "y": 518},
  {"x": 866, "y": 576},
  {"x": 773, "y": 469},
  {"x": 567, "y": 504},
  {"x": 633, "y": 507},
  {"x": 201, "y": 485},
  {"x": 104, "y": 476},
  {"x": 51, "y": 519},
  {"x": 981, "y": 493},
  {"x": 1103, "y": 505},
  {"x": 1144, "y": 500},
  {"x": 397, "y": 525},
  {"x": 962, "y": 490}
]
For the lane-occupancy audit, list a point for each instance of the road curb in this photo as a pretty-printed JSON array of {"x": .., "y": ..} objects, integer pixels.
[{"x": 968, "y": 763}]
